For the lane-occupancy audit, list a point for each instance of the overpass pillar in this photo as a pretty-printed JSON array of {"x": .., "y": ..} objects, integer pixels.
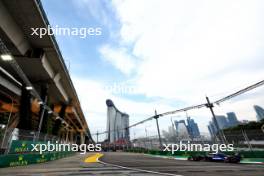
[
  {"x": 57, "y": 125},
  {"x": 62, "y": 135},
  {"x": 71, "y": 137},
  {"x": 67, "y": 136},
  {"x": 82, "y": 137},
  {"x": 43, "y": 113},
  {"x": 25, "y": 120}
]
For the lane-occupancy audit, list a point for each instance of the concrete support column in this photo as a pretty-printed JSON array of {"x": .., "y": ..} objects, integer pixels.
[
  {"x": 62, "y": 136},
  {"x": 67, "y": 136},
  {"x": 57, "y": 124},
  {"x": 71, "y": 137},
  {"x": 76, "y": 138},
  {"x": 44, "y": 96},
  {"x": 82, "y": 137},
  {"x": 25, "y": 120}
]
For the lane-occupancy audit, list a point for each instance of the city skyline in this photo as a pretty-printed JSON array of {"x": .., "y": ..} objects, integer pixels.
[
  {"x": 231, "y": 120},
  {"x": 162, "y": 64},
  {"x": 132, "y": 87}
]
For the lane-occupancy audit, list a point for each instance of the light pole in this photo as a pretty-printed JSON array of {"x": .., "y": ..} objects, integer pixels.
[
  {"x": 6, "y": 128},
  {"x": 146, "y": 135},
  {"x": 174, "y": 130},
  {"x": 221, "y": 134},
  {"x": 97, "y": 137},
  {"x": 157, "y": 122},
  {"x": 41, "y": 117}
]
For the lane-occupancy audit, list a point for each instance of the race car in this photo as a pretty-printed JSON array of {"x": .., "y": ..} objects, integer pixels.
[{"x": 216, "y": 157}]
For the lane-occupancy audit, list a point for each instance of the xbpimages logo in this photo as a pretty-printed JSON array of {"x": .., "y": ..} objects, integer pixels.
[{"x": 82, "y": 32}]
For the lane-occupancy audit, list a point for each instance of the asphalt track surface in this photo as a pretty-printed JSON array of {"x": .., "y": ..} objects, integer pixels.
[
  {"x": 180, "y": 167},
  {"x": 126, "y": 164}
]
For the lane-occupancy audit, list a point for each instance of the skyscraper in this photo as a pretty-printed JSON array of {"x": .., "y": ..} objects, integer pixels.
[
  {"x": 188, "y": 130},
  {"x": 260, "y": 112},
  {"x": 192, "y": 128},
  {"x": 232, "y": 119},
  {"x": 222, "y": 122},
  {"x": 212, "y": 129},
  {"x": 117, "y": 123},
  {"x": 181, "y": 129}
]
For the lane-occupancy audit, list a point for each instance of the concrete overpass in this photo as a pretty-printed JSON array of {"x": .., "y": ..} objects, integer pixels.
[{"x": 35, "y": 82}]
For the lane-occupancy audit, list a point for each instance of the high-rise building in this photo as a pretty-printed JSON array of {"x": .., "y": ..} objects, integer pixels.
[
  {"x": 192, "y": 128},
  {"x": 212, "y": 129},
  {"x": 188, "y": 130},
  {"x": 222, "y": 122},
  {"x": 232, "y": 119},
  {"x": 260, "y": 112},
  {"x": 181, "y": 129},
  {"x": 117, "y": 123}
]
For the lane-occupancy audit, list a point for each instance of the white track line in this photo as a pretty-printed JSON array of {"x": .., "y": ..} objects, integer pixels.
[{"x": 141, "y": 170}]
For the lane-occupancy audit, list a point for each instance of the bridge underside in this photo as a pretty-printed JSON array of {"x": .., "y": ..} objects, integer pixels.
[{"x": 36, "y": 77}]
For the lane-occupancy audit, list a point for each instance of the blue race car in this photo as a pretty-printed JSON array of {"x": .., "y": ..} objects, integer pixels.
[
  {"x": 216, "y": 157},
  {"x": 221, "y": 157}
]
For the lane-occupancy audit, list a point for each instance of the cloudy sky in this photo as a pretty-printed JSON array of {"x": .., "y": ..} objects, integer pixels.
[{"x": 162, "y": 54}]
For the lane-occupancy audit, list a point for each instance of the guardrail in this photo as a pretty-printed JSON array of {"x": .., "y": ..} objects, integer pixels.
[
  {"x": 244, "y": 154},
  {"x": 20, "y": 154}
]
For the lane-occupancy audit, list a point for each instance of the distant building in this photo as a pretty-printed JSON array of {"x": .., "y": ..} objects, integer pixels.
[
  {"x": 181, "y": 129},
  {"x": 192, "y": 128},
  {"x": 212, "y": 129},
  {"x": 259, "y": 111},
  {"x": 171, "y": 130},
  {"x": 232, "y": 119},
  {"x": 222, "y": 121},
  {"x": 117, "y": 123},
  {"x": 188, "y": 130}
]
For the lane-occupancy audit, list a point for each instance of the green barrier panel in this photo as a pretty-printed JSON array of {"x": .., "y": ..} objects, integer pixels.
[
  {"x": 249, "y": 160},
  {"x": 11, "y": 160},
  {"x": 20, "y": 146},
  {"x": 244, "y": 154},
  {"x": 20, "y": 154}
]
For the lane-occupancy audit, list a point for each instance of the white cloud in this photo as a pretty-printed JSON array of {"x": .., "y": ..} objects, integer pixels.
[
  {"x": 183, "y": 43},
  {"x": 187, "y": 49},
  {"x": 119, "y": 58}
]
